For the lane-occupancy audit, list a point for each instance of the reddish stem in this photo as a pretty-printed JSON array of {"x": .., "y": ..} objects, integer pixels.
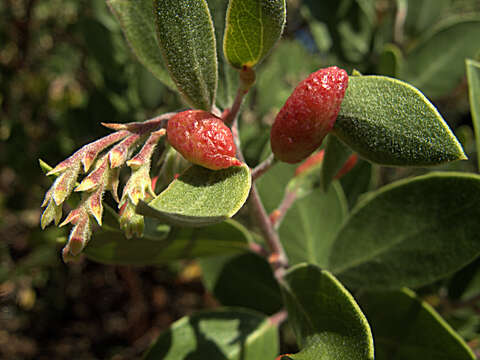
[{"x": 263, "y": 167}]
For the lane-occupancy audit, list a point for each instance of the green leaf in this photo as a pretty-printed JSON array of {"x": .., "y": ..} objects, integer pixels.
[
  {"x": 436, "y": 64},
  {"x": 228, "y": 76},
  {"x": 252, "y": 29},
  {"x": 187, "y": 40},
  {"x": 241, "y": 280},
  {"x": 220, "y": 334},
  {"x": 410, "y": 233},
  {"x": 308, "y": 179},
  {"x": 271, "y": 186},
  {"x": 390, "y": 122},
  {"x": 422, "y": 15},
  {"x": 349, "y": 23},
  {"x": 201, "y": 196},
  {"x": 357, "y": 181},
  {"x": 326, "y": 319},
  {"x": 310, "y": 226},
  {"x": 406, "y": 328},
  {"x": 151, "y": 91},
  {"x": 473, "y": 75},
  {"x": 160, "y": 245},
  {"x": 320, "y": 34},
  {"x": 391, "y": 61},
  {"x": 138, "y": 23},
  {"x": 336, "y": 153},
  {"x": 465, "y": 284}
]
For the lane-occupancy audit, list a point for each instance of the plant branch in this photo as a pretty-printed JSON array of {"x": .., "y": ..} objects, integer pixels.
[
  {"x": 232, "y": 117},
  {"x": 277, "y": 215},
  {"x": 263, "y": 167},
  {"x": 277, "y": 258},
  {"x": 247, "y": 79},
  {"x": 279, "y": 317},
  {"x": 149, "y": 125},
  {"x": 400, "y": 21}
]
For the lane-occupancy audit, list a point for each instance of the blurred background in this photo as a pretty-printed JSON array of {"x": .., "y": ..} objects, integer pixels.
[{"x": 65, "y": 67}]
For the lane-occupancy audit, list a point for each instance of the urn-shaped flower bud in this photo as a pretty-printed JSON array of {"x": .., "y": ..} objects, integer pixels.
[
  {"x": 308, "y": 115},
  {"x": 202, "y": 139}
]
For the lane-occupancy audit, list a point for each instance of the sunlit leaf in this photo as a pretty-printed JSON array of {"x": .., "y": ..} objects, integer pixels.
[{"x": 201, "y": 196}]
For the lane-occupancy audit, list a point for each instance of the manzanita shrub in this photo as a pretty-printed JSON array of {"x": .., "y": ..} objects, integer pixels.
[{"x": 341, "y": 278}]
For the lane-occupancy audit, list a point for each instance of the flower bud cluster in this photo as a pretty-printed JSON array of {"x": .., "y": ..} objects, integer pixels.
[
  {"x": 103, "y": 177},
  {"x": 138, "y": 187}
]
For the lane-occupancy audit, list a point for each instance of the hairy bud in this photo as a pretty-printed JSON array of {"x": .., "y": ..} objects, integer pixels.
[
  {"x": 308, "y": 115},
  {"x": 202, "y": 139}
]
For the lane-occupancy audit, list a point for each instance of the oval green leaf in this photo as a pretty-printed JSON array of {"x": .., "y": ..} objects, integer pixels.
[
  {"x": 410, "y": 233},
  {"x": 357, "y": 182},
  {"x": 336, "y": 153},
  {"x": 252, "y": 28},
  {"x": 163, "y": 245},
  {"x": 436, "y": 64},
  {"x": 241, "y": 280},
  {"x": 271, "y": 185},
  {"x": 391, "y": 61},
  {"x": 327, "y": 321},
  {"x": 187, "y": 40},
  {"x": 422, "y": 15},
  {"x": 473, "y": 76},
  {"x": 406, "y": 328},
  {"x": 201, "y": 196},
  {"x": 311, "y": 225},
  {"x": 390, "y": 122},
  {"x": 220, "y": 334},
  {"x": 137, "y": 19}
]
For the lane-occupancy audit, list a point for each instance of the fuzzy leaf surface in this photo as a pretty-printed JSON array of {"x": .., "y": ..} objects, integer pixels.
[
  {"x": 410, "y": 233},
  {"x": 419, "y": 332},
  {"x": 390, "y": 122},
  {"x": 187, "y": 40},
  {"x": 137, "y": 19},
  {"x": 221, "y": 334},
  {"x": 201, "y": 196},
  {"x": 242, "y": 279},
  {"x": 473, "y": 76},
  {"x": 436, "y": 64},
  {"x": 327, "y": 321},
  {"x": 311, "y": 224},
  {"x": 252, "y": 28},
  {"x": 157, "y": 247}
]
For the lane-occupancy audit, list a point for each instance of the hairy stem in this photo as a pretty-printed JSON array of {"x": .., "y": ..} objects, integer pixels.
[
  {"x": 232, "y": 117},
  {"x": 288, "y": 200},
  {"x": 277, "y": 257},
  {"x": 263, "y": 167},
  {"x": 247, "y": 78}
]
